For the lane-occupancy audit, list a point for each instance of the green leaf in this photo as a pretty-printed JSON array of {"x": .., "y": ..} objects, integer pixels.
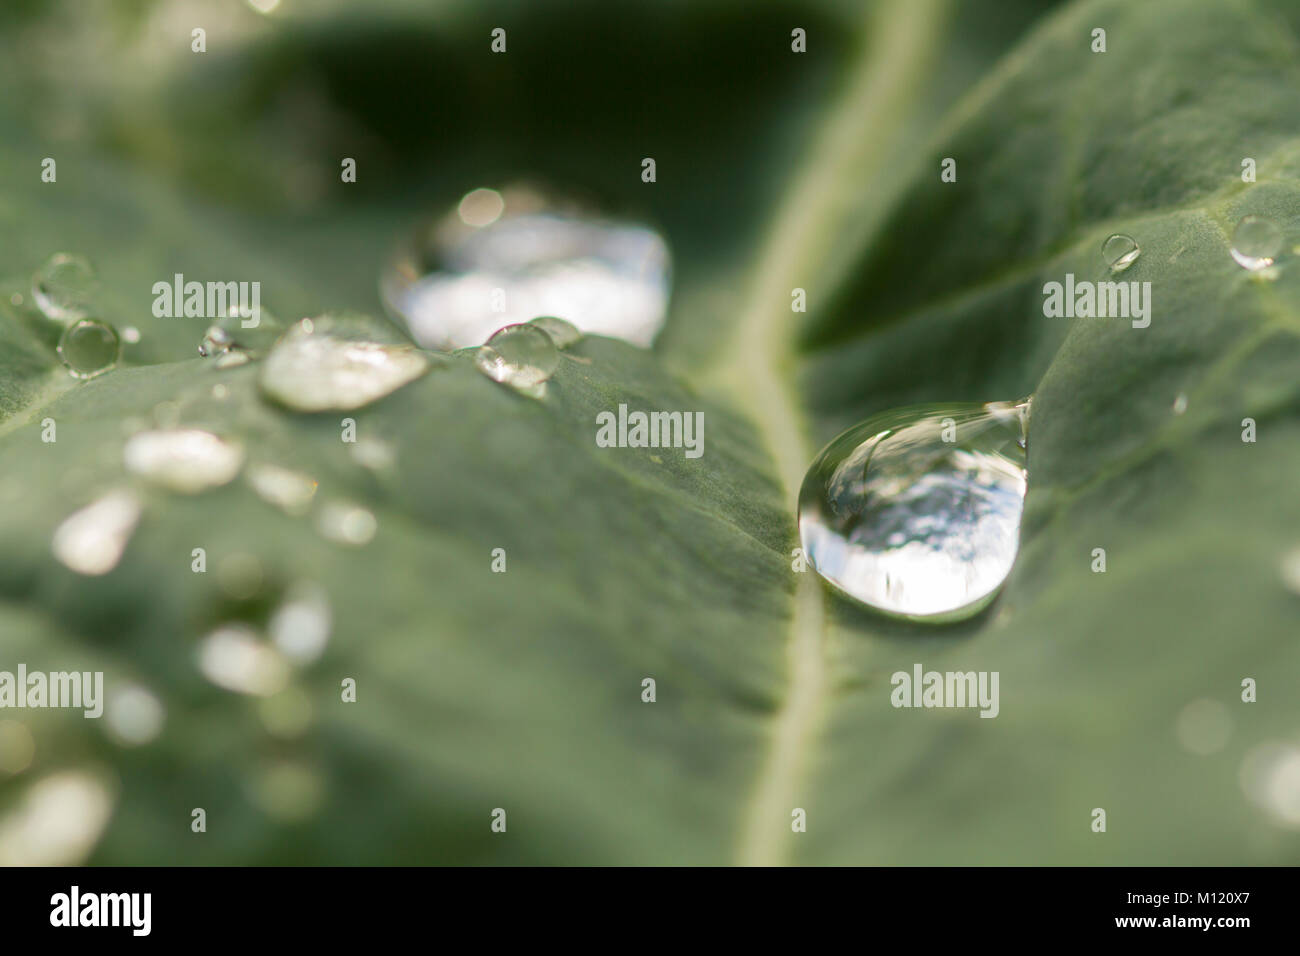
[{"x": 478, "y": 690}]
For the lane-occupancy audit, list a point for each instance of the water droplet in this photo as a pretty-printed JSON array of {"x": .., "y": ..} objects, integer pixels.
[
  {"x": 323, "y": 366},
  {"x": 133, "y": 715},
  {"x": 184, "y": 460},
  {"x": 91, "y": 541},
  {"x": 57, "y": 821},
  {"x": 1120, "y": 251},
  {"x": 521, "y": 356},
  {"x": 562, "y": 333},
  {"x": 373, "y": 454},
  {"x": 300, "y": 627},
  {"x": 131, "y": 335},
  {"x": 502, "y": 258},
  {"x": 17, "y": 747},
  {"x": 1270, "y": 779},
  {"x": 234, "y": 659},
  {"x": 1256, "y": 242},
  {"x": 89, "y": 347},
  {"x": 290, "y": 491},
  {"x": 345, "y": 523},
  {"x": 1180, "y": 403},
  {"x": 64, "y": 287},
  {"x": 916, "y": 511},
  {"x": 287, "y": 714},
  {"x": 231, "y": 359},
  {"x": 1203, "y": 727},
  {"x": 232, "y": 333}
]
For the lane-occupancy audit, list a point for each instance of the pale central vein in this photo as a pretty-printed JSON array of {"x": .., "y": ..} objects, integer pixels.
[{"x": 850, "y": 149}]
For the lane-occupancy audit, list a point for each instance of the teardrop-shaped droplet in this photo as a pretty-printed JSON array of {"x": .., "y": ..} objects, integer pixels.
[
  {"x": 243, "y": 331},
  {"x": 562, "y": 333},
  {"x": 91, "y": 541},
  {"x": 501, "y": 258},
  {"x": 64, "y": 287},
  {"x": 916, "y": 511},
  {"x": 89, "y": 347},
  {"x": 1256, "y": 242},
  {"x": 1120, "y": 251},
  {"x": 184, "y": 460},
  {"x": 336, "y": 364},
  {"x": 521, "y": 356}
]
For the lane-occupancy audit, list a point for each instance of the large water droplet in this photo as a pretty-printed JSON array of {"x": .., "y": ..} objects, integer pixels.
[
  {"x": 916, "y": 511},
  {"x": 64, "y": 287},
  {"x": 521, "y": 356},
  {"x": 57, "y": 821},
  {"x": 1120, "y": 251},
  {"x": 502, "y": 258},
  {"x": 89, "y": 347},
  {"x": 91, "y": 541},
  {"x": 185, "y": 460},
  {"x": 1256, "y": 242},
  {"x": 329, "y": 364},
  {"x": 562, "y": 333}
]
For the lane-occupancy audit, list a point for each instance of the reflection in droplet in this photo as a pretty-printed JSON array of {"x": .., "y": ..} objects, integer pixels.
[
  {"x": 562, "y": 333},
  {"x": 290, "y": 491},
  {"x": 89, "y": 347},
  {"x": 57, "y": 822},
  {"x": 481, "y": 207},
  {"x": 133, "y": 715},
  {"x": 1120, "y": 251},
  {"x": 233, "y": 658},
  {"x": 91, "y": 541},
  {"x": 300, "y": 627},
  {"x": 1203, "y": 727},
  {"x": 319, "y": 366},
  {"x": 1270, "y": 779},
  {"x": 184, "y": 460},
  {"x": 17, "y": 747},
  {"x": 64, "y": 287},
  {"x": 1256, "y": 242},
  {"x": 521, "y": 356},
  {"x": 916, "y": 511},
  {"x": 345, "y": 523},
  {"x": 460, "y": 281}
]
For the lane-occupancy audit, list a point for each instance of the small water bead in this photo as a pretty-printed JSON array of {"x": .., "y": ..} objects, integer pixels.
[
  {"x": 916, "y": 512},
  {"x": 345, "y": 523},
  {"x": 1180, "y": 403},
  {"x": 562, "y": 333},
  {"x": 1120, "y": 251},
  {"x": 501, "y": 258},
  {"x": 89, "y": 347},
  {"x": 327, "y": 365},
  {"x": 184, "y": 460},
  {"x": 64, "y": 287},
  {"x": 1256, "y": 242},
  {"x": 233, "y": 658},
  {"x": 243, "y": 332},
  {"x": 521, "y": 356},
  {"x": 91, "y": 541},
  {"x": 300, "y": 627},
  {"x": 133, "y": 715},
  {"x": 290, "y": 491}
]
